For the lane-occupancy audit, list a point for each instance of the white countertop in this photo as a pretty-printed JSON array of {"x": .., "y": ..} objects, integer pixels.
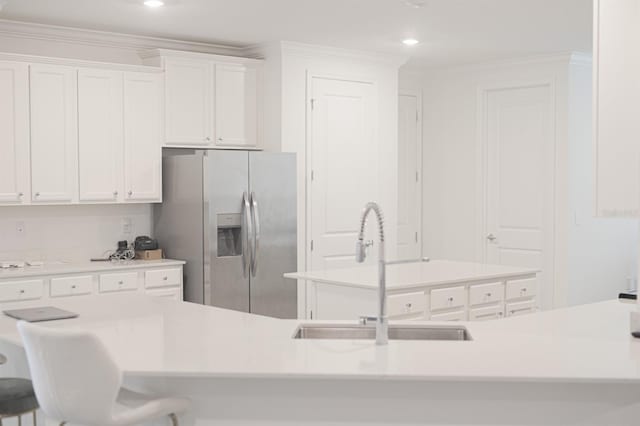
[
  {"x": 413, "y": 275},
  {"x": 155, "y": 337},
  {"x": 59, "y": 268}
]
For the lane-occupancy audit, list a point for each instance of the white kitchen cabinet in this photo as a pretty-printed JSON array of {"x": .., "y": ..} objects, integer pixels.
[
  {"x": 169, "y": 293},
  {"x": 14, "y": 134},
  {"x": 71, "y": 286},
  {"x": 100, "y": 135},
  {"x": 143, "y": 98},
  {"x": 54, "y": 134},
  {"x": 189, "y": 101},
  {"x": 19, "y": 290},
  {"x": 616, "y": 110},
  {"x": 235, "y": 105},
  {"x": 457, "y": 315}
]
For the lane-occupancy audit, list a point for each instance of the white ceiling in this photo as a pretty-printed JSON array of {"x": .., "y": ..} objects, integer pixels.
[{"x": 450, "y": 31}]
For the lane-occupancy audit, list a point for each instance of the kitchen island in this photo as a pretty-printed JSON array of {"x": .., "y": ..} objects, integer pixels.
[
  {"x": 572, "y": 366},
  {"x": 439, "y": 290}
]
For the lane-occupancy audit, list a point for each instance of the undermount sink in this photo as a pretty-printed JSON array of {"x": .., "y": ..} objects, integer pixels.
[{"x": 396, "y": 332}]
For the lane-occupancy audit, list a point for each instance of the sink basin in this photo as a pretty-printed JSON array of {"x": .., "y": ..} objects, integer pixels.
[{"x": 396, "y": 332}]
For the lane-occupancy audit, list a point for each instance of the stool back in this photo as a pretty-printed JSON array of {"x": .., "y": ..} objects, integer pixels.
[{"x": 74, "y": 377}]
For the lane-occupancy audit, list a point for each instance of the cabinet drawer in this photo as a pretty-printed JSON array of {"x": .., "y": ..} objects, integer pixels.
[
  {"x": 162, "y": 278},
  {"x": 406, "y": 304},
  {"x": 486, "y": 293},
  {"x": 520, "y": 308},
  {"x": 169, "y": 293},
  {"x": 21, "y": 290},
  {"x": 71, "y": 286},
  {"x": 449, "y": 316},
  {"x": 118, "y": 282},
  {"x": 445, "y": 298},
  {"x": 522, "y": 288},
  {"x": 486, "y": 313}
]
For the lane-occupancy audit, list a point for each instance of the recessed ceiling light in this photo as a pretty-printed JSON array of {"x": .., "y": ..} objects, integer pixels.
[
  {"x": 153, "y": 3},
  {"x": 410, "y": 42}
]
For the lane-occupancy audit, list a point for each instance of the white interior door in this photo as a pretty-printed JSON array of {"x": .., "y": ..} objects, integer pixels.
[
  {"x": 520, "y": 170},
  {"x": 409, "y": 176},
  {"x": 344, "y": 164}
]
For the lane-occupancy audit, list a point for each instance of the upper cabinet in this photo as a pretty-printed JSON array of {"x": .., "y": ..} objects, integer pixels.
[
  {"x": 14, "y": 133},
  {"x": 616, "y": 111},
  {"x": 100, "y": 139},
  {"x": 54, "y": 134},
  {"x": 143, "y": 137},
  {"x": 211, "y": 100}
]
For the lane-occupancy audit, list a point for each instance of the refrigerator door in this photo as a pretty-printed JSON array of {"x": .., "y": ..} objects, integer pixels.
[
  {"x": 272, "y": 184},
  {"x": 228, "y": 223}
]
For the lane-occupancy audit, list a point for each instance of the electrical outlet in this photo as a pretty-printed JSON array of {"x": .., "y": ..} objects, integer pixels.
[{"x": 127, "y": 226}]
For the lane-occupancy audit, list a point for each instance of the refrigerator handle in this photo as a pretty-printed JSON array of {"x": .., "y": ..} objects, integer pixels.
[
  {"x": 246, "y": 234},
  {"x": 256, "y": 234}
]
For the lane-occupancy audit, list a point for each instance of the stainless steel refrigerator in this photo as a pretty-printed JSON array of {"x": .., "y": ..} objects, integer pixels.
[{"x": 231, "y": 215}]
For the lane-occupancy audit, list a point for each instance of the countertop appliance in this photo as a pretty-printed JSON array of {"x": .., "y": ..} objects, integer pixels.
[{"x": 231, "y": 215}]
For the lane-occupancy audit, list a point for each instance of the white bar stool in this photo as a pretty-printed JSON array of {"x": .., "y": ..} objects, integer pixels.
[{"x": 76, "y": 381}]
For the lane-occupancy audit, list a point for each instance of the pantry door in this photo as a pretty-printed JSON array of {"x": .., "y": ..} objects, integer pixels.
[
  {"x": 343, "y": 154},
  {"x": 409, "y": 176},
  {"x": 520, "y": 144}
]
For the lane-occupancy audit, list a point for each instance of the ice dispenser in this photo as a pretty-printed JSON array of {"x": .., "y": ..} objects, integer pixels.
[{"x": 229, "y": 235}]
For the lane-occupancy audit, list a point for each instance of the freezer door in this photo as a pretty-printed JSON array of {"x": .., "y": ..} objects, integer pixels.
[
  {"x": 272, "y": 184},
  {"x": 228, "y": 223}
]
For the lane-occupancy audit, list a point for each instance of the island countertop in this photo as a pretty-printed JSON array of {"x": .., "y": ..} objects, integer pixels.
[
  {"x": 414, "y": 274},
  {"x": 154, "y": 337}
]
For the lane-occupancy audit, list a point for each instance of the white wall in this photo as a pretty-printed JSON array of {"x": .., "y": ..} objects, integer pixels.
[
  {"x": 451, "y": 206},
  {"x": 68, "y": 233}
]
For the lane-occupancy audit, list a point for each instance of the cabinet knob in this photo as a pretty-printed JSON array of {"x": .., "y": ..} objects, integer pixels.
[
  {"x": 130, "y": 193},
  {"x": 73, "y": 286},
  {"x": 488, "y": 294},
  {"x": 208, "y": 139},
  {"x": 408, "y": 305},
  {"x": 37, "y": 194},
  {"x": 120, "y": 282},
  {"x": 450, "y": 299},
  {"x": 220, "y": 139},
  {"x": 115, "y": 193},
  {"x": 165, "y": 278},
  {"x": 20, "y": 194},
  {"x": 22, "y": 291}
]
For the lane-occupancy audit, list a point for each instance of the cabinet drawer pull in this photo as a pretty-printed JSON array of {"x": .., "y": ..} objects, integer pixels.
[
  {"x": 120, "y": 282},
  {"x": 115, "y": 193},
  {"x": 488, "y": 294},
  {"x": 165, "y": 278},
  {"x": 37, "y": 194},
  {"x": 20, "y": 194},
  {"x": 73, "y": 286},
  {"x": 450, "y": 299},
  {"x": 21, "y": 291},
  {"x": 130, "y": 193}
]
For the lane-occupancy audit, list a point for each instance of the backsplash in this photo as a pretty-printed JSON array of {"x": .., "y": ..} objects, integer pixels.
[{"x": 69, "y": 233}]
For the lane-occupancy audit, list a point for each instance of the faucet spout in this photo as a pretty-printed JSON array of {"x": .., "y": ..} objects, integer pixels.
[{"x": 382, "y": 324}]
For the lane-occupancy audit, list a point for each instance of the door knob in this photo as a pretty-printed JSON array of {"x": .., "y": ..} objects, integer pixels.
[{"x": 491, "y": 237}]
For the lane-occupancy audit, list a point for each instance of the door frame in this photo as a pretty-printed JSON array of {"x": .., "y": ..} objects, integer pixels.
[
  {"x": 420, "y": 166},
  {"x": 553, "y": 224},
  {"x": 306, "y": 289}
]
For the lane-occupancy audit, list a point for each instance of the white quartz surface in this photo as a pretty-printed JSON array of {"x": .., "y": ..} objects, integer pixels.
[
  {"x": 154, "y": 337},
  {"x": 410, "y": 275},
  {"x": 60, "y": 268}
]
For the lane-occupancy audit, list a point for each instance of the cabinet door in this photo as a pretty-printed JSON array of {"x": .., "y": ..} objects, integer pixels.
[
  {"x": 616, "y": 110},
  {"x": 235, "y": 107},
  {"x": 100, "y": 141},
  {"x": 143, "y": 136},
  {"x": 54, "y": 134},
  {"x": 14, "y": 133},
  {"x": 189, "y": 102}
]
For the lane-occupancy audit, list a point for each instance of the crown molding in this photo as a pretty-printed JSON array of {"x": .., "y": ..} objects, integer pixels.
[{"x": 33, "y": 31}]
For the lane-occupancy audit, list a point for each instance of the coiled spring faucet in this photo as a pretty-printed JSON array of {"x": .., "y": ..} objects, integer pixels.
[{"x": 382, "y": 323}]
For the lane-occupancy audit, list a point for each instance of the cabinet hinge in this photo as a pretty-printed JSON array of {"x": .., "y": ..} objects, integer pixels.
[
  {"x": 313, "y": 103},
  {"x": 417, "y": 176},
  {"x": 313, "y": 175},
  {"x": 311, "y": 314},
  {"x": 311, "y": 245},
  {"x": 416, "y": 236}
]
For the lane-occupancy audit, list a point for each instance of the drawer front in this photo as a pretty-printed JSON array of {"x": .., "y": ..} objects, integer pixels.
[
  {"x": 406, "y": 304},
  {"x": 486, "y": 293},
  {"x": 21, "y": 290},
  {"x": 522, "y": 288},
  {"x": 118, "y": 282},
  {"x": 71, "y": 286},
  {"x": 520, "y": 308},
  {"x": 486, "y": 313},
  {"x": 169, "y": 293},
  {"x": 162, "y": 278},
  {"x": 446, "y": 298},
  {"x": 449, "y": 316}
]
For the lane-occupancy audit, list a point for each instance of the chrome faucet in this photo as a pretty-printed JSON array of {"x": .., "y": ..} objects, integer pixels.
[{"x": 382, "y": 324}]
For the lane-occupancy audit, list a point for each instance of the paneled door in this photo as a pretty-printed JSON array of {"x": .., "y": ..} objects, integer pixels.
[
  {"x": 54, "y": 134},
  {"x": 235, "y": 95},
  {"x": 344, "y": 168},
  {"x": 409, "y": 176},
  {"x": 14, "y": 133},
  {"x": 143, "y": 137},
  {"x": 520, "y": 180},
  {"x": 100, "y": 141}
]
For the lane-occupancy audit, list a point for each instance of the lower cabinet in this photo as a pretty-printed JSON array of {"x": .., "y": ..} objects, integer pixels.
[
  {"x": 465, "y": 301},
  {"x": 157, "y": 281}
]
